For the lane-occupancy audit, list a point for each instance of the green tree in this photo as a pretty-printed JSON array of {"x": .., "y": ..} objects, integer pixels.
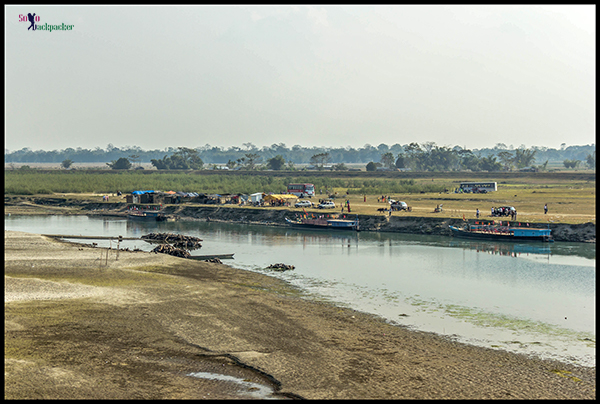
[
  {"x": 320, "y": 159},
  {"x": 413, "y": 156},
  {"x": 371, "y": 166},
  {"x": 387, "y": 159},
  {"x": 160, "y": 164},
  {"x": 183, "y": 159},
  {"x": 135, "y": 158},
  {"x": 489, "y": 163},
  {"x": 276, "y": 163},
  {"x": 571, "y": 163},
  {"x": 524, "y": 157},
  {"x": 121, "y": 164},
  {"x": 400, "y": 161},
  {"x": 591, "y": 160},
  {"x": 506, "y": 159},
  {"x": 468, "y": 160},
  {"x": 249, "y": 161},
  {"x": 66, "y": 164}
]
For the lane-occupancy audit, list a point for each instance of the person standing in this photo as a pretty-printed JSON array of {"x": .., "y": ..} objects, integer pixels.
[
  {"x": 477, "y": 214},
  {"x": 545, "y": 208}
]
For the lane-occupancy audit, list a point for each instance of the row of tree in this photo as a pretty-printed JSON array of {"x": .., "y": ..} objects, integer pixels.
[
  {"x": 249, "y": 153},
  {"x": 416, "y": 157},
  {"x": 430, "y": 157}
]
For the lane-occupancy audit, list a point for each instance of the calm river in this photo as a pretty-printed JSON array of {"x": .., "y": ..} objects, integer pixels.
[{"x": 529, "y": 298}]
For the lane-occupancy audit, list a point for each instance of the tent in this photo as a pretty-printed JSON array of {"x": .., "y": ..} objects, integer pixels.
[
  {"x": 142, "y": 192},
  {"x": 279, "y": 197}
]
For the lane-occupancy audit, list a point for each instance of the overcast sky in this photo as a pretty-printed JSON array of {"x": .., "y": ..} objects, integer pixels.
[{"x": 334, "y": 76}]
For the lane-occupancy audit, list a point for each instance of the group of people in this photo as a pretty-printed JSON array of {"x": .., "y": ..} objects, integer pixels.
[
  {"x": 504, "y": 211},
  {"x": 383, "y": 198}
]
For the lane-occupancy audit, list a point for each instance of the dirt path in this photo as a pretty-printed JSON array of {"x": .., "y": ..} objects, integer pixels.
[{"x": 80, "y": 326}]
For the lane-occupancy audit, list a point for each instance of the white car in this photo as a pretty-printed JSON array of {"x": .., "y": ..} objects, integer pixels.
[
  {"x": 399, "y": 205},
  {"x": 303, "y": 204},
  {"x": 326, "y": 205}
]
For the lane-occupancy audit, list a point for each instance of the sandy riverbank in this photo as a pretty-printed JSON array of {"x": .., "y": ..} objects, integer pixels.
[{"x": 79, "y": 325}]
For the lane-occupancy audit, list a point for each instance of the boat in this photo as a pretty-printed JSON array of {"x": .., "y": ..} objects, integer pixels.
[
  {"x": 206, "y": 257},
  {"x": 504, "y": 233},
  {"x": 149, "y": 215},
  {"x": 325, "y": 223}
]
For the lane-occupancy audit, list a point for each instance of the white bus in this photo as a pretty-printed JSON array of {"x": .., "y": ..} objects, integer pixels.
[
  {"x": 478, "y": 187},
  {"x": 301, "y": 190}
]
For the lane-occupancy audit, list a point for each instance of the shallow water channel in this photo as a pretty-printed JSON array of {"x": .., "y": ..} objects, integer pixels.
[{"x": 537, "y": 299}]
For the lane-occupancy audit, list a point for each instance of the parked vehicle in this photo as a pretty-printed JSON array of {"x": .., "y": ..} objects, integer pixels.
[
  {"x": 477, "y": 187},
  {"x": 326, "y": 205},
  {"x": 304, "y": 204},
  {"x": 301, "y": 190},
  {"x": 399, "y": 205}
]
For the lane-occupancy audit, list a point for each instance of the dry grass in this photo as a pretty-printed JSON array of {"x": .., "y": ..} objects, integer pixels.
[{"x": 568, "y": 202}]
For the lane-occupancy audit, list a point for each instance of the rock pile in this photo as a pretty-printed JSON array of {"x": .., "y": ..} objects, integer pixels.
[
  {"x": 177, "y": 240},
  {"x": 171, "y": 250},
  {"x": 215, "y": 260},
  {"x": 281, "y": 267}
]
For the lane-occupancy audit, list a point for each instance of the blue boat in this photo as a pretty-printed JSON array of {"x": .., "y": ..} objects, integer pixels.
[
  {"x": 326, "y": 223},
  {"x": 503, "y": 233}
]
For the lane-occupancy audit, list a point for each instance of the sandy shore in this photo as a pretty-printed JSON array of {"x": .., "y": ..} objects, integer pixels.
[{"x": 81, "y": 324}]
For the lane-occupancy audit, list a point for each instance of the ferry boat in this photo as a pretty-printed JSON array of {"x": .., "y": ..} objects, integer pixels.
[
  {"x": 504, "y": 233},
  {"x": 325, "y": 223}
]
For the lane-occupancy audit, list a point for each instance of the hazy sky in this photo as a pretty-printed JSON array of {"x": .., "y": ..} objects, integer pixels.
[{"x": 335, "y": 76}]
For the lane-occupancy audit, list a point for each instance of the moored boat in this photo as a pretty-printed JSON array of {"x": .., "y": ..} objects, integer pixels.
[
  {"x": 504, "y": 233},
  {"x": 325, "y": 223},
  {"x": 146, "y": 215}
]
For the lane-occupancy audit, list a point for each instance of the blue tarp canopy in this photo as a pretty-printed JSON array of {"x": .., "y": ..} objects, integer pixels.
[{"x": 142, "y": 192}]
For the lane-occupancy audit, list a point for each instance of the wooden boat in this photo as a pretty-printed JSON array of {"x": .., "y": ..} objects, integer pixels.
[
  {"x": 207, "y": 257},
  {"x": 149, "y": 215},
  {"x": 504, "y": 233},
  {"x": 325, "y": 223}
]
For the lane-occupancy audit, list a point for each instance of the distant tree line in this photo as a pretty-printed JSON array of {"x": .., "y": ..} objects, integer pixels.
[{"x": 426, "y": 156}]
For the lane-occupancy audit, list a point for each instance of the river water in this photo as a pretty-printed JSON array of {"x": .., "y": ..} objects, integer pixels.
[{"x": 536, "y": 299}]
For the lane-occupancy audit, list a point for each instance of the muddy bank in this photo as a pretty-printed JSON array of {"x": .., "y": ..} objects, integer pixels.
[
  {"x": 80, "y": 327},
  {"x": 401, "y": 222}
]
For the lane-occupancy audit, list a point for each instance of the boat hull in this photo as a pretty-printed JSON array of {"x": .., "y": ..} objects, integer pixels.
[
  {"x": 331, "y": 224},
  {"x": 537, "y": 235},
  {"x": 146, "y": 216}
]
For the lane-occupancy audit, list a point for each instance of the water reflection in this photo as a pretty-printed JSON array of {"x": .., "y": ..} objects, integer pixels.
[{"x": 504, "y": 248}]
